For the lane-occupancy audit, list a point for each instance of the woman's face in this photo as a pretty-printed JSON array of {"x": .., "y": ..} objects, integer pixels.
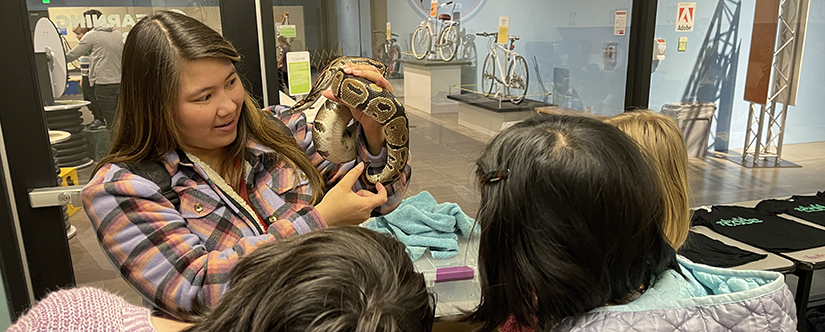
[{"x": 209, "y": 103}]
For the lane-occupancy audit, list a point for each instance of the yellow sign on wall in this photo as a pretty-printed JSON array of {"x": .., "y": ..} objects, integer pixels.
[
  {"x": 503, "y": 29},
  {"x": 389, "y": 31},
  {"x": 433, "y": 8}
]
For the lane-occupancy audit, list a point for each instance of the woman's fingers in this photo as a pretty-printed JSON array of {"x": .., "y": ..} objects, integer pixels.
[
  {"x": 349, "y": 179},
  {"x": 331, "y": 96},
  {"x": 369, "y": 72}
]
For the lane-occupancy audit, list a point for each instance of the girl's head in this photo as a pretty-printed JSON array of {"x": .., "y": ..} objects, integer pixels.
[
  {"x": 570, "y": 216},
  {"x": 180, "y": 89},
  {"x": 338, "y": 279},
  {"x": 660, "y": 137}
]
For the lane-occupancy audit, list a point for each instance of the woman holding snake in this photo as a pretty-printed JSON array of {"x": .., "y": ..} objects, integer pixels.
[{"x": 238, "y": 177}]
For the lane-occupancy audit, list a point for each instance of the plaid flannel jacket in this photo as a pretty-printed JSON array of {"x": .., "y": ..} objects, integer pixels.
[{"x": 175, "y": 257}]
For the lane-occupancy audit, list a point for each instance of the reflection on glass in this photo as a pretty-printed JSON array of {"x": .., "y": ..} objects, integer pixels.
[{"x": 572, "y": 49}]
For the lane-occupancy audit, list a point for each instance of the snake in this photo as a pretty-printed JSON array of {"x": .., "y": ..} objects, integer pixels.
[{"x": 332, "y": 133}]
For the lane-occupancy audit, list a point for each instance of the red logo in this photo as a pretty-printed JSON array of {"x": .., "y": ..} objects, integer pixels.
[{"x": 686, "y": 14}]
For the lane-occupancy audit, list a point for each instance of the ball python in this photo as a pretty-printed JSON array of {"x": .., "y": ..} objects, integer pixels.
[{"x": 332, "y": 133}]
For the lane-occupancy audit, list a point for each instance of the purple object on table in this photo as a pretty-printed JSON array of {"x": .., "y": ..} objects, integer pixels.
[{"x": 454, "y": 273}]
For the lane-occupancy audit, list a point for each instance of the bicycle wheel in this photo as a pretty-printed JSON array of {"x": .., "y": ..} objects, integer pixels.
[
  {"x": 381, "y": 54},
  {"x": 448, "y": 43},
  {"x": 421, "y": 42},
  {"x": 488, "y": 75},
  {"x": 392, "y": 59},
  {"x": 470, "y": 54},
  {"x": 517, "y": 79}
]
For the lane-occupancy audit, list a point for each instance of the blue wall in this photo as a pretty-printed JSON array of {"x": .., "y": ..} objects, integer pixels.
[
  {"x": 559, "y": 33},
  {"x": 725, "y": 84}
]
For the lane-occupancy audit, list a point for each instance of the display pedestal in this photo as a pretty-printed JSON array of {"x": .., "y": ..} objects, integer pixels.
[
  {"x": 483, "y": 114},
  {"x": 427, "y": 84}
]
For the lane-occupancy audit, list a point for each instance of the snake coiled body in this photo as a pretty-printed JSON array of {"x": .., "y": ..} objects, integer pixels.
[{"x": 332, "y": 134}]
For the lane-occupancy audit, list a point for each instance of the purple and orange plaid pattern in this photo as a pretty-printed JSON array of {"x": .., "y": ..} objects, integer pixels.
[{"x": 175, "y": 257}]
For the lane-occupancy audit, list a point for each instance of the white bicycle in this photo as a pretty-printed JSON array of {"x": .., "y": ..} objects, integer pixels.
[
  {"x": 448, "y": 39},
  {"x": 514, "y": 83}
]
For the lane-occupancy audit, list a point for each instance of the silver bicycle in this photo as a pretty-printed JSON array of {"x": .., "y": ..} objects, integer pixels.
[
  {"x": 447, "y": 42},
  {"x": 514, "y": 83}
]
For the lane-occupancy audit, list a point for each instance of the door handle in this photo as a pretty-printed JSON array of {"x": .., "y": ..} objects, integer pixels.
[{"x": 55, "y": 196}]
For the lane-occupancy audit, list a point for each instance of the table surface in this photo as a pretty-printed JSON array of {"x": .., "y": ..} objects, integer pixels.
[{"x": 773, "y": 262}]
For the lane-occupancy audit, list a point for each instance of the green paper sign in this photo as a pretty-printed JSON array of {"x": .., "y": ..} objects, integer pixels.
[
  {"x": 682, "y": 44},
  {"x": 287, "y": 31},
  {"x": 298, "y": 73}
]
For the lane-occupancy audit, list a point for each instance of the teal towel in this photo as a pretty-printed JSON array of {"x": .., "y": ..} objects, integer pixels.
[{"x": 421, "y": 223}]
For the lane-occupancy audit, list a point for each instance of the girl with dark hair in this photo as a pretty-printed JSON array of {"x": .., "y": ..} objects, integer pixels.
[
  {"x": 198, "y": 175},
  {"x": 572, "y": 240},
  {"x": 346, "y": 279}
]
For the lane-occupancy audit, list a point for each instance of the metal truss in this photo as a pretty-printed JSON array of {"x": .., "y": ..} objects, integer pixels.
[{"x": 766, "y": 123}]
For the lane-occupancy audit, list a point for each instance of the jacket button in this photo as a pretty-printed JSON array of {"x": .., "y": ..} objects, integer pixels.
[
  {"x": 272, "y": 219},
  {"x": 198, "y": 207}
]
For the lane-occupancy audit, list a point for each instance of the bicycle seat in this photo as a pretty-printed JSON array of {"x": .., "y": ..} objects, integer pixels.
[
  {"x": 513, "y": 38},
  {"x": 444, "y": 17},
  {"x": 486, "y": 34}
]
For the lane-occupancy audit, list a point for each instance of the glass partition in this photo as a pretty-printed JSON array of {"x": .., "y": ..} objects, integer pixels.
[
  {"x": 713, "y": 68},
  {"x": 574, "y": 53}
]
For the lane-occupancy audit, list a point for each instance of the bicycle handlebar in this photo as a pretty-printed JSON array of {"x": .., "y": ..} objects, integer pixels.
[{"x": 487, "y": 34}]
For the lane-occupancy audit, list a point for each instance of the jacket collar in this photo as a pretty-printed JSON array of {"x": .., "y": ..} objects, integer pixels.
[{"x": 256, "y": 154}]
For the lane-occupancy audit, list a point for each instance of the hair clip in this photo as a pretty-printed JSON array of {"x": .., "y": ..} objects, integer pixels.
[{"x": 495, "y": 176}]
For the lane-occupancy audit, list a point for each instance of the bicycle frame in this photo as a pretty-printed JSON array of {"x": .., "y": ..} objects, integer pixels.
[
  {"x": 508, "y": 56},
  {"x": 431, "y": 28}
]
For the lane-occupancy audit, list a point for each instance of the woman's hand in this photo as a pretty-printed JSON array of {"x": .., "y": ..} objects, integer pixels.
[
  {"x": 373, "y": 130},
  {"x": 341, "y": 206}
]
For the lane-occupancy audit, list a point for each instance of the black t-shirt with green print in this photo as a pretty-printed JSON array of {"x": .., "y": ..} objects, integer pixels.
[
  {"x": 759, "y": 229},
  {"x": 704, "y": 250},
  {"x": 810, "y": 208}
]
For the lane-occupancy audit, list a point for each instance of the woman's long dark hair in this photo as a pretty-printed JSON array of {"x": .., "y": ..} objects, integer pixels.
[
  {"x": 573, "y": 224},
  {"x": 145, "y": 126},
  {"x": 342, "y": 279}
]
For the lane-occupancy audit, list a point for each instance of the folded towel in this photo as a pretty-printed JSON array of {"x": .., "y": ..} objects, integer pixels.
[{"x": 421, "y": 223}]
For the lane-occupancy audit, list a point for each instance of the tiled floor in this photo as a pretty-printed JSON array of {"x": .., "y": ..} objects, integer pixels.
[{"x": 443, "y": 155}]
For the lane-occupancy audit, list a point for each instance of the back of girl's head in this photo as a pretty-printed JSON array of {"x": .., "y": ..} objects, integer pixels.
[
  {"x": 572, "y": 226},
  {"x": 340, "y": 279},
  {"x": 661, "y": 138}
]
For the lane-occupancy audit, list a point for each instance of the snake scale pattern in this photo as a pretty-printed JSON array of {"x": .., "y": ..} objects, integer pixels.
[{"x": 332, "y": 133}]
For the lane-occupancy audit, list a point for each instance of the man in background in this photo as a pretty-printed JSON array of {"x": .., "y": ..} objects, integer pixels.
[
  {"x": 88, "y": 91},
  {"x": 105, "y": 47}
]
